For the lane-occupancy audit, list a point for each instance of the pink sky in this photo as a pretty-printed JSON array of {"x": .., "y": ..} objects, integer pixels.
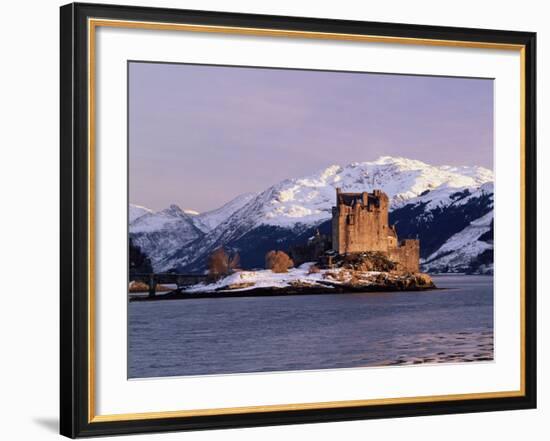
[{"x": 201, "y": 135}]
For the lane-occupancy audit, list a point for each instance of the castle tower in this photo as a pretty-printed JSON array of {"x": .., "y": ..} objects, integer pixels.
[{"x": 360, "y": 223}]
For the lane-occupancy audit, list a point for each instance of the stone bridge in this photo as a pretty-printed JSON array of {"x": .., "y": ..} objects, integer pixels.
[{"x": 180, "y": 280}]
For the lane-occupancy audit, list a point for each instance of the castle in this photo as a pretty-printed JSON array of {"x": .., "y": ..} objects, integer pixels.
[{"x": 360, "y": 223}]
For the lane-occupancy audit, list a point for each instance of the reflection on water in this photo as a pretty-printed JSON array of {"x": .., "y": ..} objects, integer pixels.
[{"x": 255, "y": 334}]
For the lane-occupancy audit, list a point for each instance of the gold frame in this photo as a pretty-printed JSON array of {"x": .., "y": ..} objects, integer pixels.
[{"x": 92, "y": 25}]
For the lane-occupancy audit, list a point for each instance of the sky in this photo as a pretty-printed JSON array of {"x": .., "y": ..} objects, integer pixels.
[{"x": 201, "y": 135}]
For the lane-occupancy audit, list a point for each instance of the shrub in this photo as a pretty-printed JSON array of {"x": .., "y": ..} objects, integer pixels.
[{"x": 278, "y": 261}]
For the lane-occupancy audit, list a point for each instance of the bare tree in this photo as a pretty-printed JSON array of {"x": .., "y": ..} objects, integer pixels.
[
  {"x": 234, "y": 262},
  {"x": 278, "y": 261},
  {"x": 219, "y": 263}
]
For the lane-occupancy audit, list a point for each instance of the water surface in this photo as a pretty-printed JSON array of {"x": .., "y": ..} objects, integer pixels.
[{"x": 259, "y": 334}]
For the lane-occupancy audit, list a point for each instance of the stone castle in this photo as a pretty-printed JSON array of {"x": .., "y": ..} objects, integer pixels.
[{"x": 360, "y": 223}]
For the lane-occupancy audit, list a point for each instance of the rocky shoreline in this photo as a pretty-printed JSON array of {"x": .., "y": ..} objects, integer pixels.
[{"x": 327, "y": 283}]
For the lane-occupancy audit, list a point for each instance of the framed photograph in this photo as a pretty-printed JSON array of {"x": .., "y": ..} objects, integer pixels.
[{"x": 274, "y": 220}]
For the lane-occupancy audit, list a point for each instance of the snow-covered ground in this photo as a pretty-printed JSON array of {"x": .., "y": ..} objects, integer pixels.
[
  {"x": 247, "y": 280},
  {"x": 301, "y": 276}
]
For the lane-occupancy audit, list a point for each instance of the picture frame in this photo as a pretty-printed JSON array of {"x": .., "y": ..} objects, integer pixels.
[{"x": 79, "y": 206}]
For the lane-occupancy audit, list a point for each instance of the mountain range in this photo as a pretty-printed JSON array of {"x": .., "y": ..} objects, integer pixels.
[{"x": 450, "y": 209}]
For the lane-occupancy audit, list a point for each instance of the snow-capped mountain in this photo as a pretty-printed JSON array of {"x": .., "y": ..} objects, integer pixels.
[
  {"x": 308, "y": 200},
  {"x": 136, "y": 211},
  {"x": 453, "y": 230},
  {"x": 163, "y": 233},
  {"x": 159, "y": 233},
  {"x": 211, "y": 219},
  {"x": 430, "y": 202},
  {"x": 461, "y": 251}
]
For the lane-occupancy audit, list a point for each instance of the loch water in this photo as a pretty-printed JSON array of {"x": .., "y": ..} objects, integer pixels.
[{"x": 261, "y": 334}]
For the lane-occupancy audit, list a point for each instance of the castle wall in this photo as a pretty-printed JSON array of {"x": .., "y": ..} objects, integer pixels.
[
  {"x": 335, "y": 230},
  {"x": 363, "y": 226},
  {"x": 360, "y": 223},
  {"x": 406, "y": 255},
  {"x": 359, "y": 229}
]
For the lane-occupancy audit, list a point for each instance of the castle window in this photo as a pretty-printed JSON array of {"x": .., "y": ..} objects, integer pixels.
[{"x": 351, "y": 219}]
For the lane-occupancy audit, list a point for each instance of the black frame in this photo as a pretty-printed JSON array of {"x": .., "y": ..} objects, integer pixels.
[{"x": 74, "y": 220}]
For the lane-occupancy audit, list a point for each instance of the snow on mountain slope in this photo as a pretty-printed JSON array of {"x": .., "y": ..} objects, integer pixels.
[
  {"x": 459, "y": 250},
  {"x": 191, "y": 212},
  {"x": 211, "y": 219},
  {"x": 444, "y": 198},
  {"x": 445, "y": 195},
  {"x": 135, "y": 211},
  {"x": 163, "y": 232},
  {"x": 168, "y": 218},
  {"x": 478, "y": 173},
  {"x": 435, "y": 216},
  {"x": 309, "y": 200},
  {"x": 160, "y": 234}
]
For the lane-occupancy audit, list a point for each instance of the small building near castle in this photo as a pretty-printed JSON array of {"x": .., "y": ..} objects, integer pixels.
[{"x": 360, "y": 223}]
